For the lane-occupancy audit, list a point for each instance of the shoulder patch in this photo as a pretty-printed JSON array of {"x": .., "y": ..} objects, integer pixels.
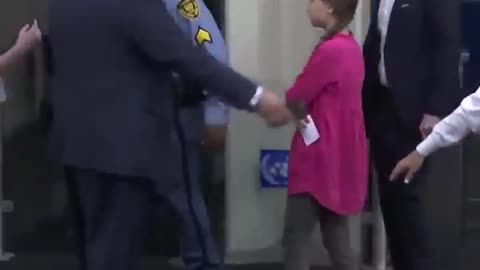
[
  {"x": 203, "y": 36},
  {"x": 189, "y": 9}
]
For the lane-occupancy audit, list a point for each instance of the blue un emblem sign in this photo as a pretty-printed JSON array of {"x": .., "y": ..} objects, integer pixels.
[{"x": 274, "y": 168}]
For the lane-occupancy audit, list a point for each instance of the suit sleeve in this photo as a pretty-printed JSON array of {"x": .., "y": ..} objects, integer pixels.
[
  {"x": 442, "y": 22},
  {"x": 155, "y": 33}
]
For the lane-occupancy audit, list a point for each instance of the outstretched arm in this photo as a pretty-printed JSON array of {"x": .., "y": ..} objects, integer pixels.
[
  {"x": 154, "y": 31},
  {"x": 150, "y": 28},
  {"x": 9, "y": 58},
  {"x": 28, "y": 38},
  {"x": 464, "y": 120}
]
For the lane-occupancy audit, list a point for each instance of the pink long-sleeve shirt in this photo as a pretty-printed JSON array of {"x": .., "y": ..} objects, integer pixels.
[{"x": 334, "y": 169}]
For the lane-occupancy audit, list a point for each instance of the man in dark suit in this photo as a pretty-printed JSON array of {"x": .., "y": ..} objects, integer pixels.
[
  {"x": 411, "y": 57},
  {"x": 117, "y": 112}
]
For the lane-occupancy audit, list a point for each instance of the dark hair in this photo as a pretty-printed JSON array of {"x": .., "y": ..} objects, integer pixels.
[{"x": 344, "y": 11}]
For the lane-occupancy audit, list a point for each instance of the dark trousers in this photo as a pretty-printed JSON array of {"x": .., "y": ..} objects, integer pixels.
[
  {"x": 106, "y": 207},
  {"x": 198, "y": 247},
  {"x": 111, "y": 214},
  {"x": 403, "y": 206},
  {"x": 302, "y": 214}
]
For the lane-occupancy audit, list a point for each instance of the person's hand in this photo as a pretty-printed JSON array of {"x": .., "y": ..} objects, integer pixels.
[
  {"x": 272, "y": 110},
  {"x": 28, "y": 37},
  {"x": 427, "y": 124},
  {"x": 215, "y": 137},
  {"x": 302, "y": 124},
  {"x": 407, "y": 167}
]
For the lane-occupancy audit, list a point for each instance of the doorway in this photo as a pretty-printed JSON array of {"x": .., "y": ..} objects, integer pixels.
[
  {"x": 41, "y": 221},
  {"x": 217, "y": 7},
  {"x": 214, "y": 163}
]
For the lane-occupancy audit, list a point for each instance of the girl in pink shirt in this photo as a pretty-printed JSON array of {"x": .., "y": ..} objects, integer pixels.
[{"x": 328, "y": 178}]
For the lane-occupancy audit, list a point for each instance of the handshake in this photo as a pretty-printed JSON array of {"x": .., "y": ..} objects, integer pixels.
[{"x": 274, "y": 112}]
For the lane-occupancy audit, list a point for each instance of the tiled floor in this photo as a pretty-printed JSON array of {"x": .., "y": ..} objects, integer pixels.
[{"x": 65, "y": 262}]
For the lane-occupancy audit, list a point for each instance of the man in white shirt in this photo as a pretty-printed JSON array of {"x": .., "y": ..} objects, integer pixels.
[
  {"x": 451, "y": 130},
  {"x": 411, "y": 57}
]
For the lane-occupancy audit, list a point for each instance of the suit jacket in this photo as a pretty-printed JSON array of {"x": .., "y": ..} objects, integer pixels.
[
  {"x": 113, "y": 99},
  {"x": 421, "y": 60}
]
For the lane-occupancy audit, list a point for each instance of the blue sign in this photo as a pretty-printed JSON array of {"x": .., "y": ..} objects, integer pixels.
[{"x": 274, "y": 168}]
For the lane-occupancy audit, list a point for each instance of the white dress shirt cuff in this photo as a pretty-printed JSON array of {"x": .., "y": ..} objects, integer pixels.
[
  {"x": 256, "y": 98},
  {"x": 431, "y": 144}
]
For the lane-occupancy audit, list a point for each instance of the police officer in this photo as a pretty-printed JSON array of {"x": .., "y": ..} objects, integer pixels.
[
  {"x": 198, "y": 248},
  {"x": 116, "y": 112}
]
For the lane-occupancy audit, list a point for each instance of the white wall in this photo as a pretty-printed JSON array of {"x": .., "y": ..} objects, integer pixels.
[{"x": 269, "y": 41}]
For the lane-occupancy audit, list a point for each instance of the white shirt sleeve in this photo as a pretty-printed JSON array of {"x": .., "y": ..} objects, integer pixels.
[
  {"x": 256, "y": 98},
  {"x": 453, "y": 128}
]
